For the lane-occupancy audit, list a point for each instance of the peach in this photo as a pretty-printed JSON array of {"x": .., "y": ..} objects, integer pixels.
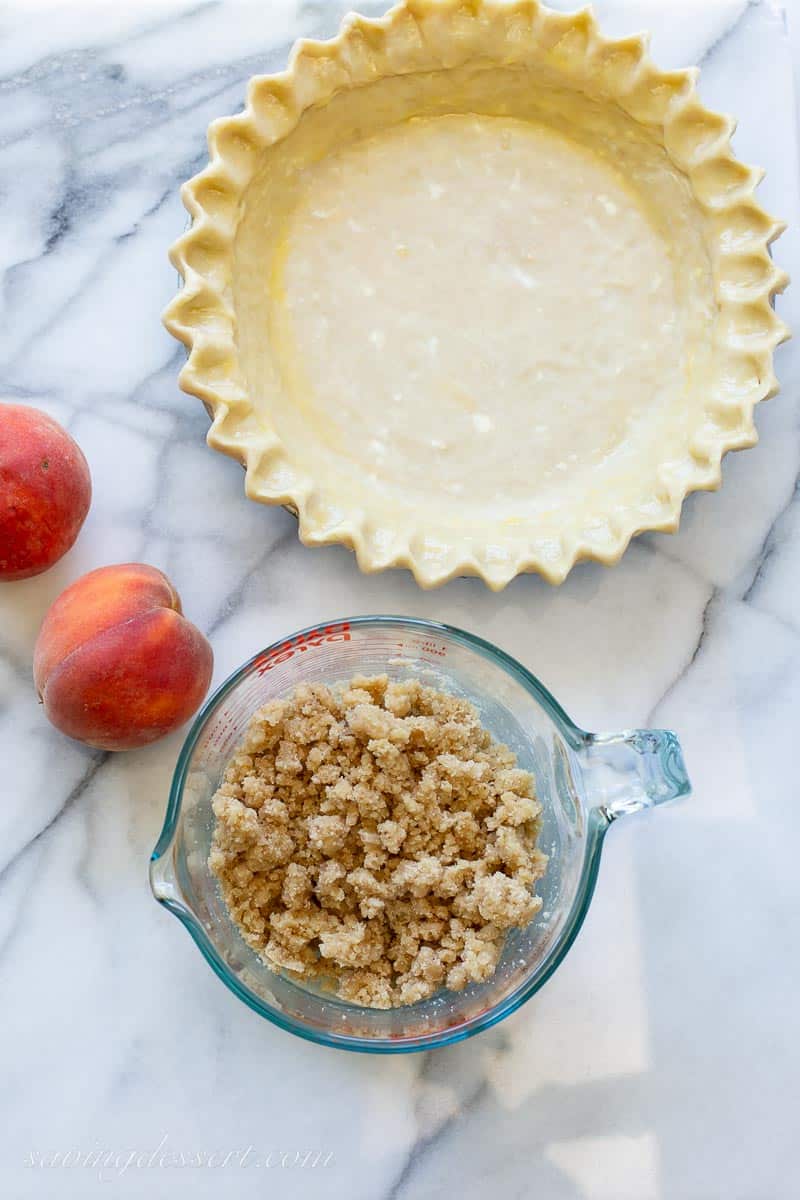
[
  {"x": 116, "y": 664},
  {"x": 45, "y": 491}
]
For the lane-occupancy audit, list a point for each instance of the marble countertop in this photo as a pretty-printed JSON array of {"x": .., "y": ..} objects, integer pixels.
[{"x": 661, "y": 1062}]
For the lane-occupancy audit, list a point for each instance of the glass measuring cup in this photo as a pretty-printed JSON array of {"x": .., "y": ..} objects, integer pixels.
[{"x": 585, "y": 781}]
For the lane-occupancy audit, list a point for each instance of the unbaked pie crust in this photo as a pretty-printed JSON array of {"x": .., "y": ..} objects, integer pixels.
[{"x": 475, "y": 290}]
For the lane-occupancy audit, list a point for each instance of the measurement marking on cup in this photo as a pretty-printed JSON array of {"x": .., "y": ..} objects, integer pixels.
[{"x": 301, "y": 645}]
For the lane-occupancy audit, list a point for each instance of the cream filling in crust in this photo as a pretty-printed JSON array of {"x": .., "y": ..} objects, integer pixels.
[
  {"x": 474, "y": 289},
  {"x": 479, "y": 298},
  {"x": 509, "y": 315}
]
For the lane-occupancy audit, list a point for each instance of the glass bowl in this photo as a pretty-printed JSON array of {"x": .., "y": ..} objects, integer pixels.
[{"x": 584, "y": 781}]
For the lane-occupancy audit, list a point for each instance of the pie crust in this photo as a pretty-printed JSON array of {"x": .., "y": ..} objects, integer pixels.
[{"x": 474, "y": 290}]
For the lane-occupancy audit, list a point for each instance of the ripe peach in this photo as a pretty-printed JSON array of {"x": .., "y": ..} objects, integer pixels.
[
  {"x": 45, "y": 491},
  {"x": 116, "y": 664}
]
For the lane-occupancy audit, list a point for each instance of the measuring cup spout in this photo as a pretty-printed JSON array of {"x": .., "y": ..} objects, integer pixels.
[
  {"x": 162, "y": 875},
  {"x": 627, "y": 772}
]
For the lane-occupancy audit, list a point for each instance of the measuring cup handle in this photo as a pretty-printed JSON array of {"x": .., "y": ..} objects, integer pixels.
[{"x": 627, "y": 772}]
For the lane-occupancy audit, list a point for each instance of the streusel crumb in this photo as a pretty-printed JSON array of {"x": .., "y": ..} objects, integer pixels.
[{"x": 378, "y": 838}]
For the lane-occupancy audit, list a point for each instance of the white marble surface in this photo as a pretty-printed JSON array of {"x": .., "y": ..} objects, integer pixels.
[{"x": 661, "y": 1063}]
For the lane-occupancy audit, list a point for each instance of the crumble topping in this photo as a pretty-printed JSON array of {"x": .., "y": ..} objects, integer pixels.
[{"x": 377, "y": 839}]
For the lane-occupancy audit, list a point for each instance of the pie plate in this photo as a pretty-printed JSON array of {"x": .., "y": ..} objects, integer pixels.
[{"x": 473, "y": 289}]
